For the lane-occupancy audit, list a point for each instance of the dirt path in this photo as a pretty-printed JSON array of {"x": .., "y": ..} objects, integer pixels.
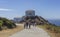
[{"x": 33, "y": 32}]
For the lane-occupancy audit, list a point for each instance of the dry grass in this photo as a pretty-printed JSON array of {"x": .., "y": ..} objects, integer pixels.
[
  {"x": 8, "y": 32},
  {"x": 53, "y": 34}
]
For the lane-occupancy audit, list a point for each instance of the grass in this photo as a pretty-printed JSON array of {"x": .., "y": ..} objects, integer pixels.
[
  {"x": 8, "y": 32},
  {"x": 54, "y": 31}
]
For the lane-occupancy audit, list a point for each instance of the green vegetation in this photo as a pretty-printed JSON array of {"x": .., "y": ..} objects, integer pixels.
[
  {"x": 1, "y": 22},
  {"x": 53, "y": 30},
  {"x": 5, "y": 23},
  {"x": 51, "y": 27}
]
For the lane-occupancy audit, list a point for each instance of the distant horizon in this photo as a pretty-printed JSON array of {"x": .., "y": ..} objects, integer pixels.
[{"x": 21, "y": 16}]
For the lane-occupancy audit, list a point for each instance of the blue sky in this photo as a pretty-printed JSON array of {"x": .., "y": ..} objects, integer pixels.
[{"x": 49, "y": 9}]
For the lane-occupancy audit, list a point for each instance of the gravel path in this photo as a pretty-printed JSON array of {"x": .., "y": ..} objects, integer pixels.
[{"x": 33, "y": 32}]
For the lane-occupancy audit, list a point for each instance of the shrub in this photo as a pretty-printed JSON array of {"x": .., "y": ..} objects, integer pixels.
[
  {"x": 10, "y": 24},
  {"x": 1, "y": 22},
  {"x": 52, "y": 28},
  {"x": 5, "y": 23}
]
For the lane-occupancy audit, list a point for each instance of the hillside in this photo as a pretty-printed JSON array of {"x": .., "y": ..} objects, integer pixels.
[
  {"x": 37, "y": 19},
  {"x": 5, "y": 23},
  {"x": 40, "y": 21}
]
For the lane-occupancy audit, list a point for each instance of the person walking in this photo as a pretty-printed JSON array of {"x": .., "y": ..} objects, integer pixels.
[
  {"x": 26, "y": 25},
  {"x": 29, "y": 25}
]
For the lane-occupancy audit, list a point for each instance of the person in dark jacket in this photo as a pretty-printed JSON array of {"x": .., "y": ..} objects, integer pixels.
[
  {"x": 29, "y": 25},
  {"x": 26, "y": 25}
]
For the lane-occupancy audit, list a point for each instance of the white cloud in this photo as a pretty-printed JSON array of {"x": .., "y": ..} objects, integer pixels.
[{"x": 2, "y": 9}]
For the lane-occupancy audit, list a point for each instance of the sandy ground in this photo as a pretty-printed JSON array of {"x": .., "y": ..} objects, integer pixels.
[
  {"x": 8, "y": 32},
  {"x": 33, "y": 32}
]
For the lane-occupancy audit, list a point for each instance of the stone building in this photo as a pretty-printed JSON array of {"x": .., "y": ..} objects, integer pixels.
[{"x": 30, "y": 13}]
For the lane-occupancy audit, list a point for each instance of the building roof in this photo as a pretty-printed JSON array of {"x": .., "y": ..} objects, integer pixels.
[{"x": 30, "y": 10}]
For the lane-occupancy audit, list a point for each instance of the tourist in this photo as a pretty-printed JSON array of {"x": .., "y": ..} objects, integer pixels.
[
  {"x": 26, "y": 25},
  {"x": 29, "y": 25}
]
